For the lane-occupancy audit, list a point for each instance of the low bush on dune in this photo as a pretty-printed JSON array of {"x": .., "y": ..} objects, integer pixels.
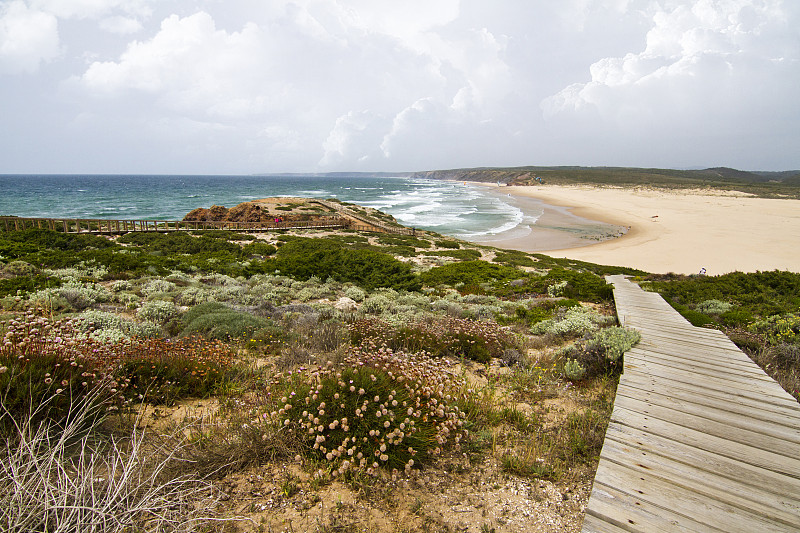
[
  {"x": 215, "y": 320},
  {"x": 478, "y": 340},
  {"x": 377, "y": 410}
]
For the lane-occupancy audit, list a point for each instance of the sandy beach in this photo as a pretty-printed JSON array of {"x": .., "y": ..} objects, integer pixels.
[{"x": 670, "y": 231}]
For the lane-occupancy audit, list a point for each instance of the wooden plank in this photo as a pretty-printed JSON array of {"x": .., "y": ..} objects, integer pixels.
[
  {"x": 767, "y": 398},
  {"x": 720, "y": 399},
  {"x": 593, "y": 524},
  {"x": 692, "y": 374},
  {"x": 624, "y": 510},
  {"x": 646, "y": 488},
  {"x": 690, "y": 360},
  {"x": 724, "y": 417},
  {"x": 756, "y": 438},
  {"x": 714, "y": 463},
  {"x": 731, "y": 492},
  {"x": 744, "y": 452},
  {"x": 720, "y": 360}
]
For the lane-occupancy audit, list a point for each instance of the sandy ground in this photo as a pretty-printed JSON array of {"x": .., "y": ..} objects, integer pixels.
[{"x": 670, "y": 231}]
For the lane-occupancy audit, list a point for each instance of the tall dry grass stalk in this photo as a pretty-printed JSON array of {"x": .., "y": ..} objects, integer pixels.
[{"x": 59, "y": 479}]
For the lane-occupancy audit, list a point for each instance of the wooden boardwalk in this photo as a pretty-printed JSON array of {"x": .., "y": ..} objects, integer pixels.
[{"x": 700, "y": 439}]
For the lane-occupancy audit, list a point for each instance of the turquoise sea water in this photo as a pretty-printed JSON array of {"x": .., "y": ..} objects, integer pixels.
[{"x": 451, "y": 208}]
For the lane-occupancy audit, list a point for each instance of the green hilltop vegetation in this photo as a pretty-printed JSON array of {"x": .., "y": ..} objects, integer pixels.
[
  {"x": 359, "y": 360},
  {"x": 765, "y": 184}
]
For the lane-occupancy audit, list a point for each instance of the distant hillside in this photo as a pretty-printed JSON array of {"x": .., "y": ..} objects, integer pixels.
[{"x": 766, "y": 184}]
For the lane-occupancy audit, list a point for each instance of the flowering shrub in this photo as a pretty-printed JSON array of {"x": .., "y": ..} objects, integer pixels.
[
  {"x": 780, "y": 328},
  {"x": 378, "y": 409},
  {"x": 165, "y": 371},
  {"x": 50, "y": 364}
]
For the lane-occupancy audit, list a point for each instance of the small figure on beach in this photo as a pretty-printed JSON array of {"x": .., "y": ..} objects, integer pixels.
[{"x": 703, "y": 271}]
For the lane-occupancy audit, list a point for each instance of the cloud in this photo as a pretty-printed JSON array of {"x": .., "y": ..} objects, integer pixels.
[
  {"x": 353, "y": 139},
  {"x": 190, "y": 66},
  {"x": 121, "y": 25},
  {"x": 699, "y": 58},
  {"x": 91, "y": 9},
  {"x": 28, "y": 37}
]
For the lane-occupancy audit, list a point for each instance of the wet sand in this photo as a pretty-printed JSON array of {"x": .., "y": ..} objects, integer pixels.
[{"x": 670, "y": 231}]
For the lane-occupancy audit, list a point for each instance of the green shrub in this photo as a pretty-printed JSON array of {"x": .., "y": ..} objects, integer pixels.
[
  {"x": 157, "y": 286},
  {"x": 584, "y": 286},
  {"x": 468, "y": 273},
  {"x": 356, "y": 294},
  {"x": 614, "y": 341},
  {"x": 302, "y": 258},
  {"x": 217, "y": 321},
  {"x": 736, "y": 318},
  {"x": 514, "y": 258},
  {"x": 259, "y": 248},
  {"x": 573, "y": 370},
  {"x": 763, "y": 294},
  {"x": 461, "y": 255}
]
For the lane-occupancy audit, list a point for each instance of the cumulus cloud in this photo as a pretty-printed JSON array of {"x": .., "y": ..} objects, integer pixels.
[
  {"x": 28, "y": 37},
  {"x": 698, "y": 57},
  {"x": 191, "y": 65}
]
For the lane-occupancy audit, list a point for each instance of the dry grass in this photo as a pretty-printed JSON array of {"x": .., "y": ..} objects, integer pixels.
[{"x": 66, "y": 479}]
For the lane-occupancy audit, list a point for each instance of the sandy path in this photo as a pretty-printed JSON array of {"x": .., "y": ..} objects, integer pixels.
[{"x": 677, "y": 231}]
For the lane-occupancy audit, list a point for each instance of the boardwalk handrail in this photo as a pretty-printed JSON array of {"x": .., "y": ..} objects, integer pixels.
[
  {"x": 117, "y": 226},
  {"x": 367, "y": 224}
]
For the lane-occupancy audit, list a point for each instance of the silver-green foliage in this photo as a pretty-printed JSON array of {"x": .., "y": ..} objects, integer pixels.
[
  {"x": 157, "y": 311},
  {"x": 107, "y": 326},
  {"x": 614, "y": 341},
  {"x": 713, "y": 307},
  {"x": 573, "y": 370},
  {"x": 575, "y": 321},
  {"x": 157, "y": 286}
]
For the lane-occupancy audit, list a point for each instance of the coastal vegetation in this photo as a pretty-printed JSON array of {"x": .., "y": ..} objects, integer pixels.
[{"x": 218, "y": 381}]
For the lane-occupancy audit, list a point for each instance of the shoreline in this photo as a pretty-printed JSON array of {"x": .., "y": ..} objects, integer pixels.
[
  {"x": 552, "y": 226},
  {"x": 678, "y": 231}
]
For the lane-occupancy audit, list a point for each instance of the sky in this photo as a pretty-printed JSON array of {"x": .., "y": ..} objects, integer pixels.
[{"x": 258, "y": 86}]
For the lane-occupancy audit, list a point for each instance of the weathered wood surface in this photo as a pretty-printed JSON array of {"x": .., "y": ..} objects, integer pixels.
[{"x": 700, "y": 439}]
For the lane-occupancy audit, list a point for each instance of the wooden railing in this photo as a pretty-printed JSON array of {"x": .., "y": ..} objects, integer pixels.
[{"x": 109, "y": 226}]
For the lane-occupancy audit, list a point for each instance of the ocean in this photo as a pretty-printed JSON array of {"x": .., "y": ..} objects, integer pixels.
[{"x": 460, "y": 210}]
